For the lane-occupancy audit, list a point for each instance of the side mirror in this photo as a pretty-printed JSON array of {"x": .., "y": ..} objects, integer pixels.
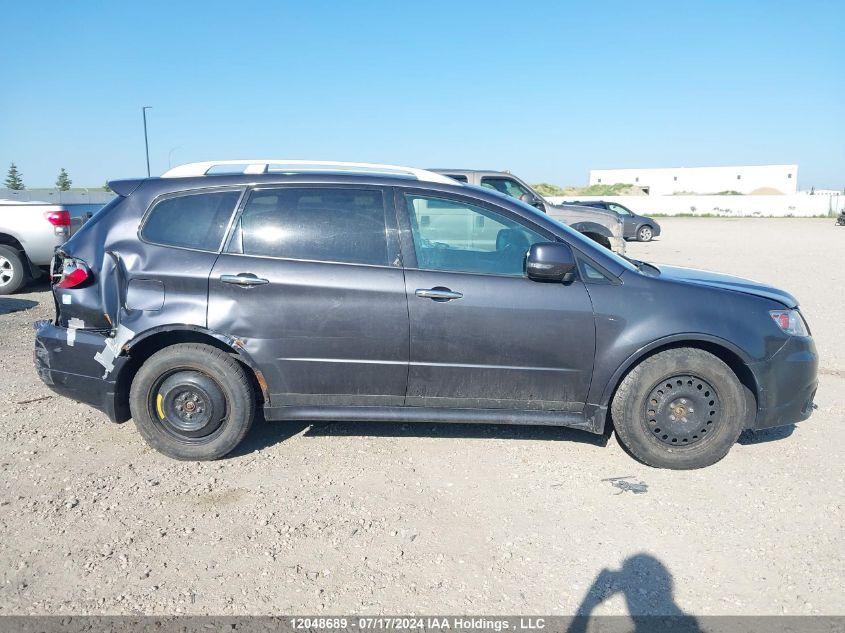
[{"x": 550, "y": 261}]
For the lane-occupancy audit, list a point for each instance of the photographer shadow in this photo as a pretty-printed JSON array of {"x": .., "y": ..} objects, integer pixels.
[{"x": 647, "y": 586}]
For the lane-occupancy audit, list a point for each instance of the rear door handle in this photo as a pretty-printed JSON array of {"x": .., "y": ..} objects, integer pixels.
[
  {"x": 438, "y": 294},
  {"x": 246, "y": 280}
]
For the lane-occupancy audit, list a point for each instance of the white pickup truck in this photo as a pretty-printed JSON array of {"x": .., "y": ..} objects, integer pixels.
[{"x": 29, "y": 235}]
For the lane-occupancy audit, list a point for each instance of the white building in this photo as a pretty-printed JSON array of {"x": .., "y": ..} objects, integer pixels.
[{"x": 747, "y": 179}]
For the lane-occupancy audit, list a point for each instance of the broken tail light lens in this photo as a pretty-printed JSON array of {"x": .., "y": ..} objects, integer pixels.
[
  {"x": 74, "y": 272},
  {"x": 790, "y": 321}
]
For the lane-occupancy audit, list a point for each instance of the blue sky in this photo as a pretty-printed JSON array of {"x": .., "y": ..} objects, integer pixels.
[{"x": 545, "y": 89}]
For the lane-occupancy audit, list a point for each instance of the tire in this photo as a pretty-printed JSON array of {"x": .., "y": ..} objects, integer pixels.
[
  {"x": 192, "y": 402},
  {"x": 13, "y": 270},
  {"x": 699, "y": 390},
  {"x": 645, "y": 233}
]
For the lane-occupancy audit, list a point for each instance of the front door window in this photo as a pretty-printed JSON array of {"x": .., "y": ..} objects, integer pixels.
[{"x": 460, "y": 237}]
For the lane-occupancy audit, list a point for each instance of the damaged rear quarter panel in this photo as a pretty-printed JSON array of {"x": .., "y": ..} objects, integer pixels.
[{"x": 137, "y": 286}]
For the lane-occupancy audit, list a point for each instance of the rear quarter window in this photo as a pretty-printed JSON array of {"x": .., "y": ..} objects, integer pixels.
[{"x": 192, "y": 220}]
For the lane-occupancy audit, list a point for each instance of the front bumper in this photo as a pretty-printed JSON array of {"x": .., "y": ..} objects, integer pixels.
[
  {"x": 787, "y": 384},
  {"x": 64, "y": 360}
]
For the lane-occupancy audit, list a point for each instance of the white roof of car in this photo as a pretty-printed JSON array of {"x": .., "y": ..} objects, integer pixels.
[{"x": 263, "y": 166}]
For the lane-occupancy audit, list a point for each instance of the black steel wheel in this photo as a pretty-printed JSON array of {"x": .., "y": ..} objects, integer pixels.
[
  {"x": 189, "y": 404},
  {"x": 682, "y": 408},
  {"x": 192, "y": 401}
]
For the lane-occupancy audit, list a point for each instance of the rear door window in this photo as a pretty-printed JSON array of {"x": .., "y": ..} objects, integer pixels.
[
  {"x": 193, "y": 220},
  {"x": 319, "y": 224}
]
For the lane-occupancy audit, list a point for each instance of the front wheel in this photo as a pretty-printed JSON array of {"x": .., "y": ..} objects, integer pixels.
[
  {"x": 681, "y": 409},
  {"x": 645, "y": 233},
  {"x": 192, "y": 402}
]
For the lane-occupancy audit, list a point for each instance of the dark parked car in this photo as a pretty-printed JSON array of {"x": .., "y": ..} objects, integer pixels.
[
  {"x": 637, "y": 227},
  {"x": 398, "y": 294}
]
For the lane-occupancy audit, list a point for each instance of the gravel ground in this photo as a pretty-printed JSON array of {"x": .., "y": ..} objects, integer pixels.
[{"x": 377, "y": 518}]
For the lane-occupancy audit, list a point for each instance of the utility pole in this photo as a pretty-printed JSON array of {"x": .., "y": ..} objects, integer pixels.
[{"x": 146, "y": 142}]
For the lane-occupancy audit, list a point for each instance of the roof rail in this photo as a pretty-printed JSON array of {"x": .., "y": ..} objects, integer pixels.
[{"x": 262, "y": 166}]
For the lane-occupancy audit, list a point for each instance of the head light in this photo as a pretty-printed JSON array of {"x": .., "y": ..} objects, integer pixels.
[{"x": 790, "y": 321}]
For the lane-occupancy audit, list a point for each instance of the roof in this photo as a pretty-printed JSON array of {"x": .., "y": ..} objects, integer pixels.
[{"x": 255, "y": 166}]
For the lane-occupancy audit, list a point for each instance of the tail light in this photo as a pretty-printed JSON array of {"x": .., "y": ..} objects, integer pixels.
[
  {"x": 73, "y": 273},
  {"x": 60, "y": 220},
  {"x": 790, "y": 321}
]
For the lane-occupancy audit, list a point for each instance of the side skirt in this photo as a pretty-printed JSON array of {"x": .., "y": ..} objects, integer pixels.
[{"x": 429, "y": 414}]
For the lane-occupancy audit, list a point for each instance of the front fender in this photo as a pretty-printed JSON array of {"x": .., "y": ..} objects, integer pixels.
[{"x": 666, "y": 341}]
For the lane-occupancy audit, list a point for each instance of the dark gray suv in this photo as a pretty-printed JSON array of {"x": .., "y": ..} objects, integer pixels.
[{"x": 343, "y": 292}]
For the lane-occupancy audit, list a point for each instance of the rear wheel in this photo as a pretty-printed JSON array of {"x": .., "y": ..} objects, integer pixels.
[
  {"x": 681, "y": 409},
  {"x": 645, "y": 233},
  {"x": 192, "y": 402},
  {"x": 12, "y": 270}
]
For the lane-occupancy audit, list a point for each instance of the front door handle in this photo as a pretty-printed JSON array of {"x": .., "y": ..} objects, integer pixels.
[
  {"x": 246, "y": 280},
  {"x": 438, "y": 293}
]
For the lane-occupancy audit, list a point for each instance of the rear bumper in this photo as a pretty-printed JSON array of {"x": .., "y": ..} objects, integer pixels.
[
  {"x": 64, "y": 360},
  {"x": 787, "y": 384}
]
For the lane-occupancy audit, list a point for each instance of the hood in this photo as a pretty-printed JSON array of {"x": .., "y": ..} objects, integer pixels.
[{"x": 727, "y": 282}]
